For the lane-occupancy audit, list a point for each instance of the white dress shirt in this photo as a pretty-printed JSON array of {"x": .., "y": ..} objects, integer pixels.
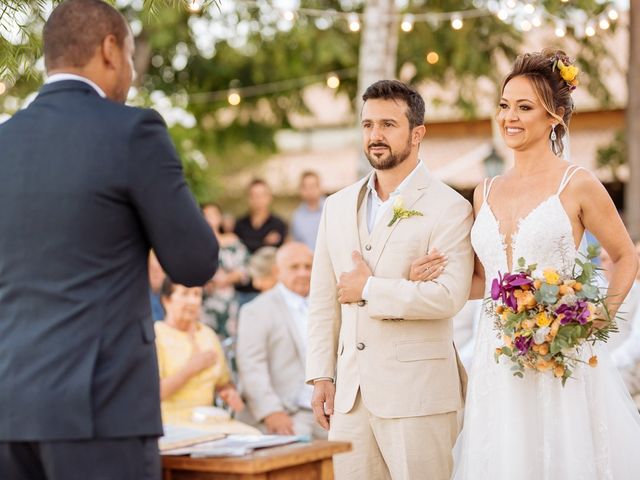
[
  {"x": 376, "y": 207},
  {"x": 299, "y": 310},
  {"x": 59, "y": 77}
]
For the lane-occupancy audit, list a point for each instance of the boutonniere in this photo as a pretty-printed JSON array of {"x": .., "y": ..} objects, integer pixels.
[{"x": 399, "y": 212}]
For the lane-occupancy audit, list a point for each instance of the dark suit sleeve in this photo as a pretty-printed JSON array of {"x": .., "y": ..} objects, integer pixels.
[
  {"x": 183, "y": 241},
  {"x": 283, "y": 230}
]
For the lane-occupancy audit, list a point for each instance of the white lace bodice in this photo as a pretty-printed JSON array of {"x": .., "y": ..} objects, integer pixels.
[{"x": 543, "y": 237}]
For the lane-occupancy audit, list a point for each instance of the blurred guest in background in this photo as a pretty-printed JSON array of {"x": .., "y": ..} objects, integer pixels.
[
  {"x": 262, "y": 269},
  {"x": 626, "y": 307},
  {"x": 627, "y": 355},
  {"x": 156, "y": 277},
  {"x": 306, "y": 218},
  {"x": 220, "y": 300},
  {"x": 271, "y": 350},
  {"x": 259, "y": 228},
  {"x": 465, "y": 328},
  {"x": 190, "y": 358},
  {"x": 228, "y": 223}
]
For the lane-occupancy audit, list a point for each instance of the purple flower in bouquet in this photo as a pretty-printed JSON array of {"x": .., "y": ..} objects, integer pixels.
[
  {"x": 523, "y": 344},
  {"x": 503, "y": 287},
  {"x": 574, "y": 313}
]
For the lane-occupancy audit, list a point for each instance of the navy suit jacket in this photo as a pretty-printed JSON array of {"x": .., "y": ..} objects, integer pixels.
[{"x": 87, "y": 187}]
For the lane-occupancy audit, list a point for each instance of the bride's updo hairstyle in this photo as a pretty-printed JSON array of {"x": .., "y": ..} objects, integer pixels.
[{"x": 545, "y": 71}]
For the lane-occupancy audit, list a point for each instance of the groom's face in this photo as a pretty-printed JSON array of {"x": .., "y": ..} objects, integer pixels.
[{"x": 386, "y": 134}]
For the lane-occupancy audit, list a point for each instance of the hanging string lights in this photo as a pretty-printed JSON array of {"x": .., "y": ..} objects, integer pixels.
[{"x": 524, "y": 15}]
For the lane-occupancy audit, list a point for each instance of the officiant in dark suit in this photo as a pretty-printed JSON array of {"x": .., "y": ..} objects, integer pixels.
[{"x": 88, "y": 186}]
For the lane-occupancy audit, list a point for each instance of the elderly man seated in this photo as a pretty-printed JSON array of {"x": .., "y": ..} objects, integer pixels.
[{"x": 271, "y": 350}]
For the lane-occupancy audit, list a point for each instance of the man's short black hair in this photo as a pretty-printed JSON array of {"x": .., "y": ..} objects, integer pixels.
[
  {"x": 76, "y": 28},
  {"x": 258, "y": 181},
  {"x": 396, "y": 90}
]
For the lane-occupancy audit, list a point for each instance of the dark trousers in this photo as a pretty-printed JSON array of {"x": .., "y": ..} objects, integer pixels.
[{"x": 95, "y": 459}]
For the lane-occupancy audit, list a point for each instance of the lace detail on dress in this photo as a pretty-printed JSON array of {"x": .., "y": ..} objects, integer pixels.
[{"x": 533, "y": 428}]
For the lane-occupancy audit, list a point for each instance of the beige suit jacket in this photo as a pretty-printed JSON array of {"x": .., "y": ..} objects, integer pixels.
[
  {"x": 270, "y": 356},
  {"x": 397, "y": 347}
]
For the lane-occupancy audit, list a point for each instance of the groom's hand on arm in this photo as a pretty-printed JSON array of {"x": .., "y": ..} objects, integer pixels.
[
  {"x": 351, "y": 284},
  {"x": 324, "y": 391}
]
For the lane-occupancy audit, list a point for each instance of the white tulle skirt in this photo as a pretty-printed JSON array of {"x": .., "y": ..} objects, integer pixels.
[{"x": 533, "y": 428}]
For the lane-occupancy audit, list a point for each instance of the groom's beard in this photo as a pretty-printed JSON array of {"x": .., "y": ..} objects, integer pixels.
[{"x": 388, "y": 160}]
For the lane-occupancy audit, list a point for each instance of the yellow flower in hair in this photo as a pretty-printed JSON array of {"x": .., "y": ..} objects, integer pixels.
[{"x": 568, "y": 72}]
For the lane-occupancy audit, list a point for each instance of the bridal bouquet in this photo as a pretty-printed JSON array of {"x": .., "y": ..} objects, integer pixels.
[{"x": 544, "y": 323}]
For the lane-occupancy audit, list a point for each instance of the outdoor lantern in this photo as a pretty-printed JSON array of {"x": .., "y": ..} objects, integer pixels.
[{"x": 493, "y": 163}]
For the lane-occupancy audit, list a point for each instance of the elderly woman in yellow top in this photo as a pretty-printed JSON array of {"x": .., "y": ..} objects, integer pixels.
[{"x": 190, "y": 358}]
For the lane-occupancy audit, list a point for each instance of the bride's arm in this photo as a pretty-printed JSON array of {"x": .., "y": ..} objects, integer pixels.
[
  {"x": 478, "y": 280},
  {"x": 599, "y": 215},
  {"x": 431, "y": 266}
]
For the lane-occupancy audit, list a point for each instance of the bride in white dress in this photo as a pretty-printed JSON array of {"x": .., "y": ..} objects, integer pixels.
[{"x": 534, "y": 428}]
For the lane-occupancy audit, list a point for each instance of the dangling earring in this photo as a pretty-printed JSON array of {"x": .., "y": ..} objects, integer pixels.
[{"x": 554, "y": 137}]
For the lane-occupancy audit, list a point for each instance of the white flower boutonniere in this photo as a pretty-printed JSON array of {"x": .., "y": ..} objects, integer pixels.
[{"x": 399, "y": 212}]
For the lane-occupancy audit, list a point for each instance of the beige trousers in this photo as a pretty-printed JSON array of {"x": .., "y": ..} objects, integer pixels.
[{"x": 414, "y": 448}]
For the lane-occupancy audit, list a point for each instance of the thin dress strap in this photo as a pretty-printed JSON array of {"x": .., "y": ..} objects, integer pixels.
[
  {"x": 487, "y": 190},
  {"x": 566, "y": 178}
]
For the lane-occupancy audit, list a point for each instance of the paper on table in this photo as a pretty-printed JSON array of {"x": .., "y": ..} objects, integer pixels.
[
  {"x": 236, "y": 445},
  {"x": 177, "y": 437}
]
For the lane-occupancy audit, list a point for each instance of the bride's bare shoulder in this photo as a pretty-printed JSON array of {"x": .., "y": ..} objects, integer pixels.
[
  {"x": 582, "y": 180},
  {"x": 479, "y": 193}
]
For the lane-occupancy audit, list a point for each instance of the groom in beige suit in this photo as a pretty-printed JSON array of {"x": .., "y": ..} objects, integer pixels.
[{"x": 381, "y": 356}]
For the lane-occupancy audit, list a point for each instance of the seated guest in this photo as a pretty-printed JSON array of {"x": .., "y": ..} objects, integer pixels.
[
  {"x": 262, "y": 269},
  {"x": 271, "y": 350},
  {"x": 190, "y": 358},
  {"x": 220, "y": 300}
]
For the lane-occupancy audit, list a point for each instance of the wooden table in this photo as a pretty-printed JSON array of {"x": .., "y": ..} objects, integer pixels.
[{"x": 298, "y": 461}]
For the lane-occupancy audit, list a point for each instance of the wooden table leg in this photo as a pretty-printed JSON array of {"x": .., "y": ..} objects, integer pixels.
[{"x": 326, "y": 469}]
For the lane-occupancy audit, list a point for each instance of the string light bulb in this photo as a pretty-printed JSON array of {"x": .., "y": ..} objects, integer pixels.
[
  {"x": 529, "y": 8},
  {"x": 561, "y": 30},
  {"x": 195, "y": 6},
  {"x": 333, "y": 81},
  {"x": 525, "y": 25},
  {"x": 432, "y": 58},
  {"x": 3, "y": 88},
  {"x": 456, "y": 22},
  {"x": 536, "y": 21},
  {"x": 503, "y": 14},
  {"x": 590, "y": 30},
  {"x": 288, "y": 15},
  {"x": 407, "y": 23},
  {"x": 613, "y": 14},
  {"x": 354, "y": 22},
  {"x": 234, "y": 99},
  {"x": 604, "y": 23}
]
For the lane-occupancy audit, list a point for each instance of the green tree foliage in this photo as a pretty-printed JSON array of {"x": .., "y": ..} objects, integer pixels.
[
  {"x": 613, "y": 156},
  {"x": 194, "y": 59}
]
